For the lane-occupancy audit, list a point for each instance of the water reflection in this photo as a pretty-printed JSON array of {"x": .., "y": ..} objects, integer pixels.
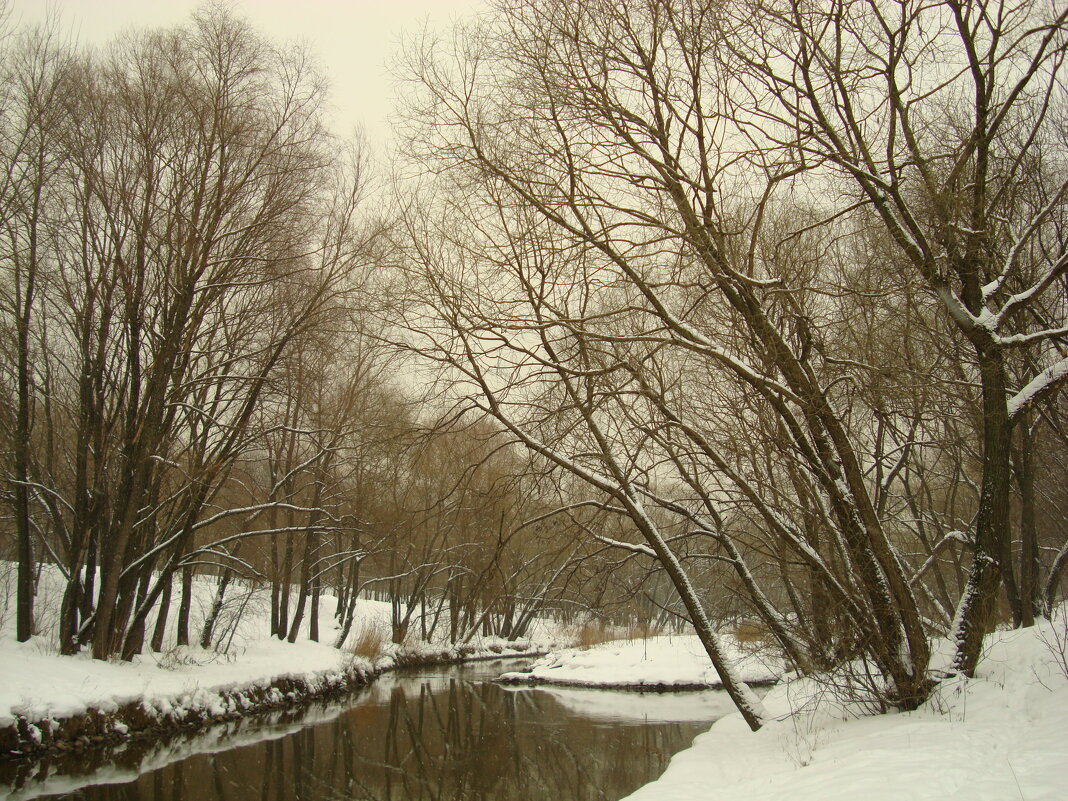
[{"x": 446, "y": 735}]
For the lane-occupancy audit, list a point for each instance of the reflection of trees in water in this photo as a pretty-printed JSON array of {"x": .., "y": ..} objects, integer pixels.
[
  {"x": 460, "y": 741},
  {"x": 475, "y": 742}
]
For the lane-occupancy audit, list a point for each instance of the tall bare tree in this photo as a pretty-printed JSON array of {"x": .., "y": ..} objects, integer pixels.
[
  {"x": 34, "y": 79},
  {"x": 201, "y": 226}
]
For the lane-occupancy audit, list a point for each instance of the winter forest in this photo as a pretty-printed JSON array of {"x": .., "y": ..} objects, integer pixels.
[{"x": 743, "y": 321}]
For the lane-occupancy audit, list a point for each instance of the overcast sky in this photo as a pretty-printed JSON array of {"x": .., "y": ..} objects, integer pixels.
[{"x": 353, "y": 39}]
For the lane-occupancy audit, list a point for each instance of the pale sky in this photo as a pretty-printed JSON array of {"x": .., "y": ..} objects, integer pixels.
[{"x": 353, "y": 39}]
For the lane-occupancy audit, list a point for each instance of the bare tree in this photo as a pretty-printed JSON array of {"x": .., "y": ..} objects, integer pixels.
[
  {"x": 34, "y": 80},
  {"x": 201, "y": 226}
]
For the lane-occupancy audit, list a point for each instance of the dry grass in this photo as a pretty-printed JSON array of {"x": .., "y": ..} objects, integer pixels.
[
  {"x": 592, "y": 633},
  {"x": 643, "y": 631},
  {"x": 368, "y": 641},
  {"x": 752, "y": 634},
  {"x": 595, "y": 632}
]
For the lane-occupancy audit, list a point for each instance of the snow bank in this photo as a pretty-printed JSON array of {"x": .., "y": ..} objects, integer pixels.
[
  {"x": 39, "y": 685},
  {"x": 668, "y": 662},
  {"x": 999, "y": 736}
]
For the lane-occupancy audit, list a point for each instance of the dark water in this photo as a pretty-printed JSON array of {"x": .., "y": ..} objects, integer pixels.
[{"x": 447, "y": 734}]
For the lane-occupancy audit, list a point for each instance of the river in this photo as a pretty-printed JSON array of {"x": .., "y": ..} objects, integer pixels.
[{"x": 445, "y": 733}]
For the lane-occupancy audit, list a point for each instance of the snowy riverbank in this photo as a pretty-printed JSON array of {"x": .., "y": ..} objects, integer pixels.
[
  {"x": 39, "y": 685},
  {"x": 999, "y": 736},
  {"x": 53, "y": 701},
  {"x": 50, "y": 701},
  {"x": 666, "y": 662}
]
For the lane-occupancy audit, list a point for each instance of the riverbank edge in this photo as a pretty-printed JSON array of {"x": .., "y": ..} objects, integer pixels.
[
  {"x": 28, "y": 739},
  {"x": 648, "y": 687}
]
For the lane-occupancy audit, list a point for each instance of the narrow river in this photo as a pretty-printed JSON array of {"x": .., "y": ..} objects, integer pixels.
[{"x": 447, "y": 734}]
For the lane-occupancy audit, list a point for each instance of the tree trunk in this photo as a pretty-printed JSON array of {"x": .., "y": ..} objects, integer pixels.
[
  {"x": 134, "y": 640},
  {"x": 284, "y": 589},
  {"x": 25, "y": 584},
  {"x": 68, "y": 614},
  {"x": 109, "y": 629},
  {"x": 161, "y": 617},
  {"x": 305, "y": 586},
  {"x": 24, "y": 294},
  {"x": 276, "y": 587},
  {"x": 88, "y": 600},
  {"x": 1030, "y": 594},
  {"x": 1053, "y": 580},
  {"x": 750, "y": 707},
  {"x": 313, "y": 621},
  {"x": 182, "y": 635},
  {"x": 975, "y": 613},
  {"x": 350, "y": 610},
  {"x": 208, "y": 628}
]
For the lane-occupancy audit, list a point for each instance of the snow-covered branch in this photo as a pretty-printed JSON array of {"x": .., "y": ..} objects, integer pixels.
[{"x": 1044, "y": 382}]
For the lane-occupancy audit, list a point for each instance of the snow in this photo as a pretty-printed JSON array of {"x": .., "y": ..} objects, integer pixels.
[
  {"x": 656, "y": 662},
  {"x": 996, "y": 737}
]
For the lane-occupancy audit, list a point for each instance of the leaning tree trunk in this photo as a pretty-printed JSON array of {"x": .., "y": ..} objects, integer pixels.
[
  {"x": 208, "y": 629},
  {"x": 161, "y": 617},
  {"x": 747, "y": 703}
]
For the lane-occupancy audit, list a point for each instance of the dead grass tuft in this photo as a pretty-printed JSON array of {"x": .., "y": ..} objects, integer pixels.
[
  {"x": 368, "y": 641},
  {"x": 752, "y": 633},
  {"x": 643, "y": 631},
  {"x": 592, "y": 633}
]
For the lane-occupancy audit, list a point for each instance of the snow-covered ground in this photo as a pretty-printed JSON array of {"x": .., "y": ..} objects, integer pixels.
[
  {"x": 1002, "y": 736},
  {"x": 656, "y": 662}
]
